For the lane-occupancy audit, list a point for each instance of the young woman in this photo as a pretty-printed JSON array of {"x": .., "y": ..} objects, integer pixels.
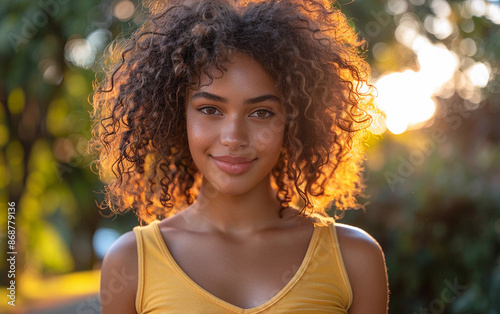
[{"x": 230, "y": 128}]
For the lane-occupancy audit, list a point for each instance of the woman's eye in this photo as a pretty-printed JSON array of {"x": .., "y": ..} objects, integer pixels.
[
  {"x": 209, "y": 110},
  {"x": 262, "y": 113}
]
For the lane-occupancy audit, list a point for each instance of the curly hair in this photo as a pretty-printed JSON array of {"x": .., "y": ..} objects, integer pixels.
[{"x": 307, "y": 47}]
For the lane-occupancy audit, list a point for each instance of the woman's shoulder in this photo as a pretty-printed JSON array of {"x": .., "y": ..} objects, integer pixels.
[
  {"x": 365, "y": 265},
  {"x": 124, "y": 247},
  {"x": 356, "y": 239},
  {"x": 119, "y": 276},
  {"x": 359, "y": 249},
  {"x": 121, "y": 257}
]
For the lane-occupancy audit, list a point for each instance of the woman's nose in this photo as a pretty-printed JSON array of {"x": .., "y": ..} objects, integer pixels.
[{"x": 233, "y": 133}]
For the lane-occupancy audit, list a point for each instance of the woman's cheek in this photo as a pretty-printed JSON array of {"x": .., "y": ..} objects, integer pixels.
[
  {"x": 268, "y": 137},
  {"x": 200, "y": 134}
]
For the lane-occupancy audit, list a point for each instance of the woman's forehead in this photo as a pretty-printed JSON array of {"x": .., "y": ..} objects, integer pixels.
[{"x": 236, "y": 60}]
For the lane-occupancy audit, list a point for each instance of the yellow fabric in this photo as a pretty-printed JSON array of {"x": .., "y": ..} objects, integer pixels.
[{"x": 320, "y": 285}]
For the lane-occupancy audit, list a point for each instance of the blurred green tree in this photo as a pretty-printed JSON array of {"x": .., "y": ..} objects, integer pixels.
[{"x": 48, "y": 51}]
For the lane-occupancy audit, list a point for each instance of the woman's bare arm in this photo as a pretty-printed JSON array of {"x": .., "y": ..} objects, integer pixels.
[
  {"x": 119, "y": 276},
  {"x": 365, "y": 264}
]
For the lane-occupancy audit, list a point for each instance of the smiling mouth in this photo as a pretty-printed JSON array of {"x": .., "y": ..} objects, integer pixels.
[{"x": 233, "y": 165}]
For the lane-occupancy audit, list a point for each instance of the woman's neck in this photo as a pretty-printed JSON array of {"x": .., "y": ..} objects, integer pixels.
[{"x": 255, "y": 210}]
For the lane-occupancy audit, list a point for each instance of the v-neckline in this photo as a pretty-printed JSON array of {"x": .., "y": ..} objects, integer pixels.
[{"x": 296, "y": 277}]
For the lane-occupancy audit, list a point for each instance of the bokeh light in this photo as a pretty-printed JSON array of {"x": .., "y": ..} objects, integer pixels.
[
  {"x": 16, "y": 101},
  {"x": 440, "y": 8},
  {"x": 396, "y": 7},
  {"x": 493, "y": 12},
  {"x": 468, "y": 47},
  {"x": 51, "y": 71},
  {"x": 123, "y": 10},
  {"x": 82, "y": 52},
  {"x": 98, "y": 39},
  {"x": 102, "y": 240},
  {"x": 441, "y": 27},
  {"x": 476, "y": 7},
  {"x": 479, "y": 74},
  {"x": 79, "y": 52}
]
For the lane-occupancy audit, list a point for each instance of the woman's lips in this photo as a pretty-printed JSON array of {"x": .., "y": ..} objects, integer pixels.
[{"x": 233, "y": 164}]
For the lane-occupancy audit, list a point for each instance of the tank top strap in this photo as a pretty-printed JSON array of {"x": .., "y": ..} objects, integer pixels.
[
  {"x": 145, "y": 237},
  {"x": 339, "y": 261}
]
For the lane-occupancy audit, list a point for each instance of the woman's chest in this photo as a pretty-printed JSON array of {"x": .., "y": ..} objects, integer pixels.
[{"x": 245, "y": 273}]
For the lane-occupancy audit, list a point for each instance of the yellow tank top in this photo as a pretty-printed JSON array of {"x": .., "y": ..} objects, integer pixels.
[{"x": 320, "y": 285}]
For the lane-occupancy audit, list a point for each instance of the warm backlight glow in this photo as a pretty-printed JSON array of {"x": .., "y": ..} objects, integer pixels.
[{"x": 406, "y": 98}]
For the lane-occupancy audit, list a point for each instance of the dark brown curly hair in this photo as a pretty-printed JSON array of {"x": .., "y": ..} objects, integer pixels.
[{"x": 307, "y": 47}]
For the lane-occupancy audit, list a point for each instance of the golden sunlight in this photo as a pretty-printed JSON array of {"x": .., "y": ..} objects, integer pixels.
[{"x": 406, "y": 98}]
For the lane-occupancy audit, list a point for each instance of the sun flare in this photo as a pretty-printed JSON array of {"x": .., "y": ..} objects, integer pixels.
[{"x": 408, "y": 98}]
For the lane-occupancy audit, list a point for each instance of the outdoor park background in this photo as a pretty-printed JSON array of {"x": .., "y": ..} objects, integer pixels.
[{"x": 433, "y": 162}]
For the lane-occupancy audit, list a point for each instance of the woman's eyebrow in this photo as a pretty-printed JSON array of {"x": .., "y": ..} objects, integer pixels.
[
  {"x": 262, "y": 98},
  {"x": 250, "y": 101},
  {"x": 209, "y": 96}
]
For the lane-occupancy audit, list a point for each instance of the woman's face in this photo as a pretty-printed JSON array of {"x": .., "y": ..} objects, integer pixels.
[{"x": 235, "y": 126}]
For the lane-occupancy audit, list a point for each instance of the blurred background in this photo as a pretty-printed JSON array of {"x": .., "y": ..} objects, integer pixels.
[{"x": 432, "y": 168}]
